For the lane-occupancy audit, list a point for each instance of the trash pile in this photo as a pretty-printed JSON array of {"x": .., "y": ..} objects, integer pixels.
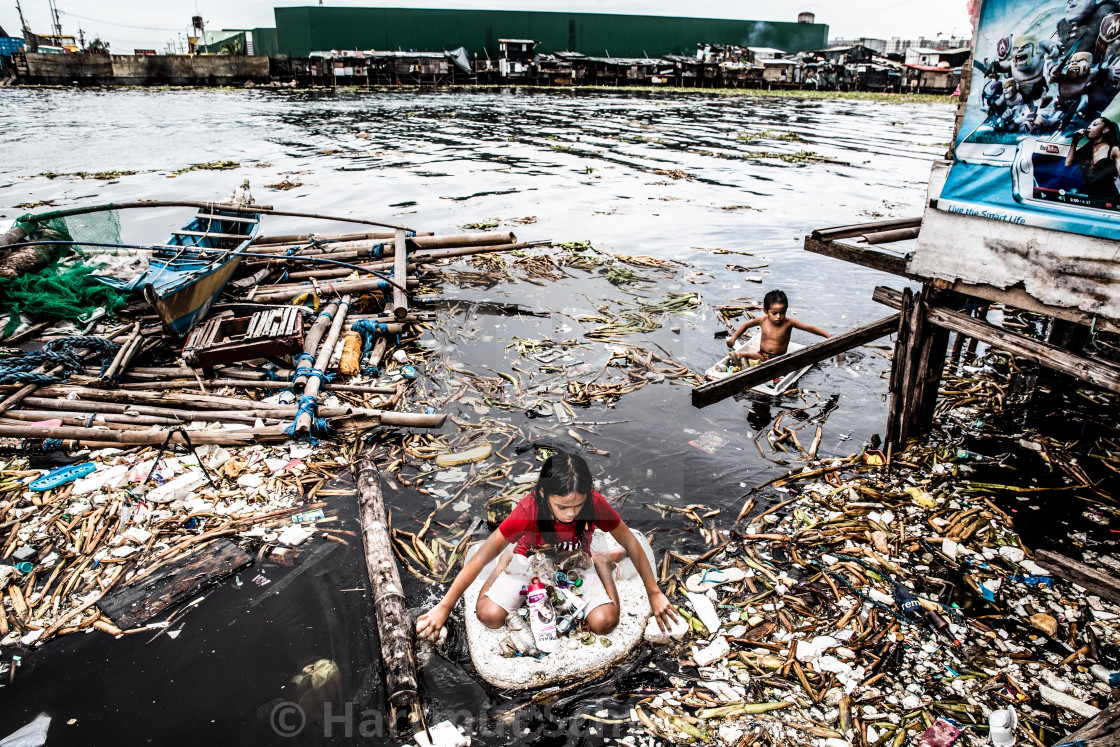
[
  {"x": 82, "y": 537},
  {"x": 886, "y": 601}
]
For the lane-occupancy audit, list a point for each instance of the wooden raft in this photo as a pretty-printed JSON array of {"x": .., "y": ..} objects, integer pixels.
[{"x": 226, "y": 338}]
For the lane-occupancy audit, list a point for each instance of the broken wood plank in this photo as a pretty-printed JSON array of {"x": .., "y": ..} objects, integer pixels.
[
  {"x": 173, "y": 583},
  {"x": 1103, "y": 730},
  {"x": 1095, "y": 580},
  {"x": 712, "y": 392}
]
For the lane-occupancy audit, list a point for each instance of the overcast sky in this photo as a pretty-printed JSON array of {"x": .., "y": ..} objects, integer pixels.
[{"x": 128, "y": 24}]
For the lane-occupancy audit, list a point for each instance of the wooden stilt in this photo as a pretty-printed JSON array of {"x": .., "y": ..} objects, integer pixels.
[
  {"x": 394, "y": 624},
  {"x": 919, "y": 357}
]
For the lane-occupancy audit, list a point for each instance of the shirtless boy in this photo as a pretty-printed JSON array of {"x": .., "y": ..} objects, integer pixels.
[{"x": 776, "y": 329}]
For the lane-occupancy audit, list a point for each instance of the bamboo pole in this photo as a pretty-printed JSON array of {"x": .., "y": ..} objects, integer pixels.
[
  {"x": 400, "y": 270},
  {"x": 314, "y": 335},
  {"x": 394, "y": 623},
  {"x": 361, "y": 246},
  {"x": 352, "y": 388},
  {"x": 285, "y": 293},
  {"x": 416, "y": 259},
  {"x": 311, "y": 389}
]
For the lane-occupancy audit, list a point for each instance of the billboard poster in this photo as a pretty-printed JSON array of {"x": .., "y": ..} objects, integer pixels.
[{"x": 1040, "y": 143}]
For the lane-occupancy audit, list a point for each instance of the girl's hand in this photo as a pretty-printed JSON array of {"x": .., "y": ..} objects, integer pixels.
[
  {"x": 664, "y": 612},
  {"x": 431, "y": 622}
]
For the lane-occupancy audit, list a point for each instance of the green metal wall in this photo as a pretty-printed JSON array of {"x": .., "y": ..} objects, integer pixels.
[
  {"x": 264, "y": 41},
  {"x": 300, "y": 30}
]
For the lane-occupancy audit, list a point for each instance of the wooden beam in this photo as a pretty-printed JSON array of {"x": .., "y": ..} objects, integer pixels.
[
  {"x": 862, "y": 255},
  {"x": 1103, "y": 730},
  {"x": 712, "y": 392},
  {"x": 1020, "y": 299},
  {"x": 1051, "y": 356},
  {"x": 919, "y": 357},
  {"x": 394, "y": 623},
  {"x": 1095, "y": 580},
  {"x": 1102, "y": 374}
]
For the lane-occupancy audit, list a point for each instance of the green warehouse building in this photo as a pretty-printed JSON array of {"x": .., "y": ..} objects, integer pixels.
[{"x": 301, "y": 30}]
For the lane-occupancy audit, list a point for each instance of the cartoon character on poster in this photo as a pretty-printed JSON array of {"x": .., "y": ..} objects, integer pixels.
[{"x": 1039, "y": 144}]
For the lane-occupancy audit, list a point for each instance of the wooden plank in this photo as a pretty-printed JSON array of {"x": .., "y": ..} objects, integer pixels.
[
  {"x": 860, "y": 229},
  {"x": 890, "y": 237},
  {"x": 210, "y": 235},
  {"x": 400, "y": 272},
  {"x": 229, "y": 218},
  {"x": 1020, "y": 299},
  {"x": 862, "y": 255},
  {"x": 919, "y": 357},
  {"x": 1103, "y": 730},
  {"x": 714, "y": 391},
  {"x": 1095, "y": 580},
  {"x": 1102, "y": 374},
  {"x": 173, "y": 583},
  {"x": 1050, "y": 356}
]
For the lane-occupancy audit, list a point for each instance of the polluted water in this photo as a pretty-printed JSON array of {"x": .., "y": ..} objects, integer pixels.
[{"x": 834, "y": 592}]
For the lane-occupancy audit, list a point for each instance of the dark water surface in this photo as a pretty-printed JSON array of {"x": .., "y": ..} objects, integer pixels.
[{"x": 586, "y": 166}]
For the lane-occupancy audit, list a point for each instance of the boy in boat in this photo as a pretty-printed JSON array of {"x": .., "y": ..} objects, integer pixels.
[
  {"x": 562, "y": 510},
  {"x": 776, "y": 329}
]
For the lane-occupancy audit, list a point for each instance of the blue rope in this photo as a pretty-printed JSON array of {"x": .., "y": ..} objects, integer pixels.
[
  {"x": 52, "y": 444},
  {"x": 324, "y": 378},
  {"x": 292, "y": 250},
  {"x": 20, "y": 369},
  {"x": 319, "y": 426},
  {"x": 301, "y": 369},
  {"x": 376, "y": 251},
  {"x": 370, "y": 331}
]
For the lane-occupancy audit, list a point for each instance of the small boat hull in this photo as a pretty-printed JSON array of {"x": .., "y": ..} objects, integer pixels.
[{"x": 182, "y": 309}]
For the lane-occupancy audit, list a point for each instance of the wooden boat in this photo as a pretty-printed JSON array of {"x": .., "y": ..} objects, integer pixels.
[
  {"x": 565, "y": 663},
  {"x": 727, "y": 366},
  {"x": 185, "y": 279},
  {"x": 185, "y": 276}
]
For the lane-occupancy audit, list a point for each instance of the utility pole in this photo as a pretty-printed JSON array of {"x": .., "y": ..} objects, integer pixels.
[
  {"x": 28, "y": 36},
  {"x": 82, "y": 38}
]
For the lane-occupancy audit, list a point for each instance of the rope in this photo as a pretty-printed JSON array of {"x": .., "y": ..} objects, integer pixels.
[
  {"x": 301, "y": 369},
  {"x": 166, "y": 442},
  {"x": 369, "y": 330},
  {"x": 52, "y": 444},
  {"x": 21, "y": 369},
  {"x": 376, "y": 251},
  {"x": 324, "y": 378},
  {"x": 319, "y": 426}
]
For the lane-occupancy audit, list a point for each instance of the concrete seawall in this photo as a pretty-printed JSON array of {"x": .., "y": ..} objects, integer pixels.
[{"x": 128, "y": 70}]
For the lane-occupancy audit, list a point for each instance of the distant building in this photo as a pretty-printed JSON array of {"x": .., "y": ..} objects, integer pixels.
[
  {"x": 879, "y": 45},
  {"x": 899, "y": 46},
  {"x": 766, "y": 53},
  {"x": 937, "y": 57},
  {"x": 304, "y": 28}
]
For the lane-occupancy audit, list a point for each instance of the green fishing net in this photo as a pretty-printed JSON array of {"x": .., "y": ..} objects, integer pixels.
[
  {"x": 55, "y": 294},
  {"x": 61, "y": 292}
]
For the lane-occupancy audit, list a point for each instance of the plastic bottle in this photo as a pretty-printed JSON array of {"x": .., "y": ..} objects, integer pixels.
[
  {"x": 542, "y": 618},
  {"x": 908, "y": 604}
]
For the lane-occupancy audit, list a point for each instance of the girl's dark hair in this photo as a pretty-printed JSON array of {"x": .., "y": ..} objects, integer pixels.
[
  {"x": 562, "y": 474},
  {"x": 774, "y": 297}
]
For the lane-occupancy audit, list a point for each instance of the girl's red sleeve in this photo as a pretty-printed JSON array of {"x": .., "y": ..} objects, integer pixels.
[{"x": 520, "y": 521}]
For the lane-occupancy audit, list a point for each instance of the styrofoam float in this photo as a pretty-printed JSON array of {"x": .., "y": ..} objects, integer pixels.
[
  {"x": 564, "y": 663},
  {"x": 773, "y": 388}
]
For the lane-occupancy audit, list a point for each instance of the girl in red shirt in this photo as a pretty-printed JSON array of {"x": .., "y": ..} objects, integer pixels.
[{"x": 563, "y": 509}]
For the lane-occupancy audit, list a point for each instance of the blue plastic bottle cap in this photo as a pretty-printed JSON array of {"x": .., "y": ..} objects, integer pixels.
[{"x": 25, "y": 567}]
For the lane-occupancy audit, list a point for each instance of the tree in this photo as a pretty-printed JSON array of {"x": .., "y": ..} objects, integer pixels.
[
  {"x": 97, "y": 47},
  {"x": 235, "y": 45}
]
